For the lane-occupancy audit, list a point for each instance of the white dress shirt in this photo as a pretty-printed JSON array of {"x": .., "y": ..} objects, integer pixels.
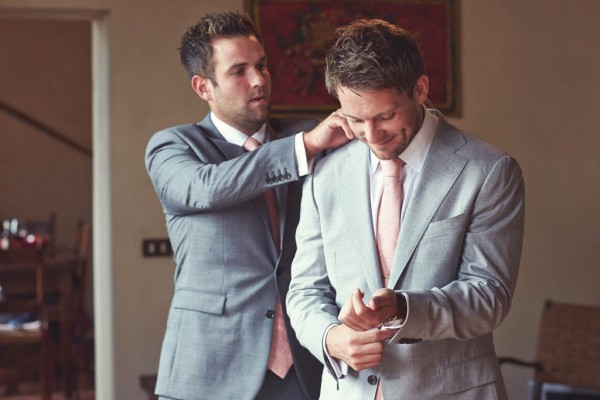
[{"x": 234, "y": 136}]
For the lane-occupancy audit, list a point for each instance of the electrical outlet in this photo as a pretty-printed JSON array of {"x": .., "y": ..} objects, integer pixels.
[{"x": 156, "y": 247}]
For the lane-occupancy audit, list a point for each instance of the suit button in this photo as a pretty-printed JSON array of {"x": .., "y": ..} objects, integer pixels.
[
  {"x": 268, "y": 180},
  {"x": 270, "y": 314},
  {"x": 280, "y": 178},
  {"x": 372, "y": 379},
  {"x": 287, "y": 176}
]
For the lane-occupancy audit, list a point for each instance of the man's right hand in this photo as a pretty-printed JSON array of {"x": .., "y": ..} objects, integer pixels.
[
  {"x": 360, "y": 350},
  {"x": 332, "y": 132}
]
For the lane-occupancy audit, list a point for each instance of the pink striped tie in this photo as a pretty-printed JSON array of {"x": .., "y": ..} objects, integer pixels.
[
  {"x": 280, "y": 357},
  {"x": 388, "y": 223}
]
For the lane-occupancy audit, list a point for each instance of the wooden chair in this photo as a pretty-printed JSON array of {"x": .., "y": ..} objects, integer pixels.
[
  {"x": 16, "y": 366},
  {"x": 568, "y": 351},
  {"x": 82, "y": 354},
  {"x": 67, "y": 317}
]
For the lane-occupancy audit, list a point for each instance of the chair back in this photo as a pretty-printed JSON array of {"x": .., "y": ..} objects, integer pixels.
[
  {"x": 569, "y": 345},
  {"x": 18, "y": 366},
  {"x": 22, "y": 273}
]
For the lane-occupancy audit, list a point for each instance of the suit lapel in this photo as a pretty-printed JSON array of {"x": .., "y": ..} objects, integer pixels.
[
  {"x": 353, "y": 178},
  {"x": 439, "y": 172},
  {"x": 228, "y": 150}
]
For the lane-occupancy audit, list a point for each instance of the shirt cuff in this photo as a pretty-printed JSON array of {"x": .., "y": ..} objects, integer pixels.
[
  {"x": 340, "y": 368},
  {"x": 304, "y": 166}
]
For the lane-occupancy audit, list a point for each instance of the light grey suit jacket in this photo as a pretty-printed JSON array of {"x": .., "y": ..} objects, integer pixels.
[
  {"x": 228, "y": 273},
  {"x": 457, "y": 259}
]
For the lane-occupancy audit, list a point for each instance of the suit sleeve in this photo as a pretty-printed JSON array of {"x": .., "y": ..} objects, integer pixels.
[
  {"x": 311, "y": 301},
  {"x": 478, "y": 300},
  {"x": 190, "y": 174}
]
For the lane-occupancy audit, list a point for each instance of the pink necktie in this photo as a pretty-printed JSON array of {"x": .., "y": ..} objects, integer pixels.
[
  {"x": 388, "y": 217},
  {"x": 388, "y": 223},
  {"x": 280, "y": 357}
]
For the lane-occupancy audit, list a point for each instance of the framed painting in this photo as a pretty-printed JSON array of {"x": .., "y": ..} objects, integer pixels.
[{"x": 297, "y": 34}]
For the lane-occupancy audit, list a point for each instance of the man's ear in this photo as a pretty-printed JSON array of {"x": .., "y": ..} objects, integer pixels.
[
  {"x": 202, "y": 86},
  {"x": 421, "y": 89}
]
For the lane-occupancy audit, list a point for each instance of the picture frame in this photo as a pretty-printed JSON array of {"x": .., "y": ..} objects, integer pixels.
[{"x": 297, "y": 34}]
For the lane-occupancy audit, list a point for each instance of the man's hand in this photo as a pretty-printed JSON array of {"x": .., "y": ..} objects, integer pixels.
[
  {"x": 360, "y": 350},
  {"x": 332, "y": 132},
  {"x": 360, "y": 317}
]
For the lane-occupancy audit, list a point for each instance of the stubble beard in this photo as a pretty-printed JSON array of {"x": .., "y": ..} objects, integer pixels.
[{"x": 252, "y": 118}]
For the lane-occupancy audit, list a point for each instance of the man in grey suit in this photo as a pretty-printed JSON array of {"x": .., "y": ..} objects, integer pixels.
[
  {"x": 427, "y": 333},
  {"x": 233, "y": 247}
]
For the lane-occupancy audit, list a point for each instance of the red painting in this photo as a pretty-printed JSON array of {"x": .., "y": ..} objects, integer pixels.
[{"x": 297, "y": 35}]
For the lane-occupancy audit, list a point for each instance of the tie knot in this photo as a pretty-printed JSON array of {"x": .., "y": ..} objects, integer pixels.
[
  {"x": 391, "y": 168},
  {"x": 251, "y": 144}
]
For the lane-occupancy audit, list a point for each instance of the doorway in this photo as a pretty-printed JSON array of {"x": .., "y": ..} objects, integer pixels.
[{"x": 89, "y": 178}]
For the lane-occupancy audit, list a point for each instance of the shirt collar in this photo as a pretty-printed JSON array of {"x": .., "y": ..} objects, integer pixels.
[
  {"x": 414, "y": 155},
  {"x": 234, "y": 136}
]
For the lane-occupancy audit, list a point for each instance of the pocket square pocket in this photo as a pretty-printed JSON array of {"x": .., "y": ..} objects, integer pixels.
[{"x": 446, "y": 227}]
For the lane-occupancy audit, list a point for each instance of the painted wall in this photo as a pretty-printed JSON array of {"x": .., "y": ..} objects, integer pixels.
[
  {"x": 45, "y": 71},
  {"x": 529, "y": 69}
]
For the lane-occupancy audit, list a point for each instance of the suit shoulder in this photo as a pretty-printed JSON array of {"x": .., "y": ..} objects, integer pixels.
[
  {"x": 185, "y": 130},
  {"x": 471, "y": 146},
  {"x": 338, "y": 155},
  {"x": 486, "y": 156},
  {"x": 189, "y": 133}
]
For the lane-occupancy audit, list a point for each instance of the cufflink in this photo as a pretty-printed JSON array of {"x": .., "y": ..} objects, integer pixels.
[{"x": 393, "y": 323}]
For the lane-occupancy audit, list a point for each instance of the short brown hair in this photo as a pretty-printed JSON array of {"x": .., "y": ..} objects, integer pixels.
[
  {"x": 196, "y": 50},
  {"x": 373, "y": 54}
]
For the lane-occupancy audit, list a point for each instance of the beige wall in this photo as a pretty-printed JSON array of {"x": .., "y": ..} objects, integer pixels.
[
  {"x": 45, "y": 71},
  {"x": 529, "y": 69}
]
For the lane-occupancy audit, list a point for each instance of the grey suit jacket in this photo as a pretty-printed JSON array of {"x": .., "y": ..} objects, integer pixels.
[
  {"x": 228, "y": 273},
  {"x": 457, "y": 259}
]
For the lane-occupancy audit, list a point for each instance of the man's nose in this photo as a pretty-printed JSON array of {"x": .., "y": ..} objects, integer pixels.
[
  {"x": 256, "y": 77},
  {"x": 372, "y": 132}
]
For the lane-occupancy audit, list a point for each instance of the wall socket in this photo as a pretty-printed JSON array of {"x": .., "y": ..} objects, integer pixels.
[{"x": 156, "y": 247}]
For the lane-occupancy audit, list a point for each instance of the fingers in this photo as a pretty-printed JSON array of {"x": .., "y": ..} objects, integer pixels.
[
  {"x": 360, "y": 350},
  {"x": 357, "y": 303},
  {"x": 370, "y": 353},
  {"x": 330, "y": 133},
  {"x": 384, "y": 304},
  {"x": 356, "y": 315},
  {"x": 342, "y": 122},
  {"x": 348, "y": 315}
]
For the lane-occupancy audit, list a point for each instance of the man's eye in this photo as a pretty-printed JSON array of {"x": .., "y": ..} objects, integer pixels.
[
  {"x": 385, "y": 117},
  {"x": 238, "y": 72}
]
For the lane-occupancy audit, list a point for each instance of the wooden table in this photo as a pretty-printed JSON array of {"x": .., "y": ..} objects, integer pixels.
[{"x": 60, "y": 273}]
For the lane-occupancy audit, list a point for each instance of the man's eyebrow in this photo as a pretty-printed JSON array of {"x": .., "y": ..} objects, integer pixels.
[
  {"x": 237, "y": 65},
  {"x": 243, "y": 64}
]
